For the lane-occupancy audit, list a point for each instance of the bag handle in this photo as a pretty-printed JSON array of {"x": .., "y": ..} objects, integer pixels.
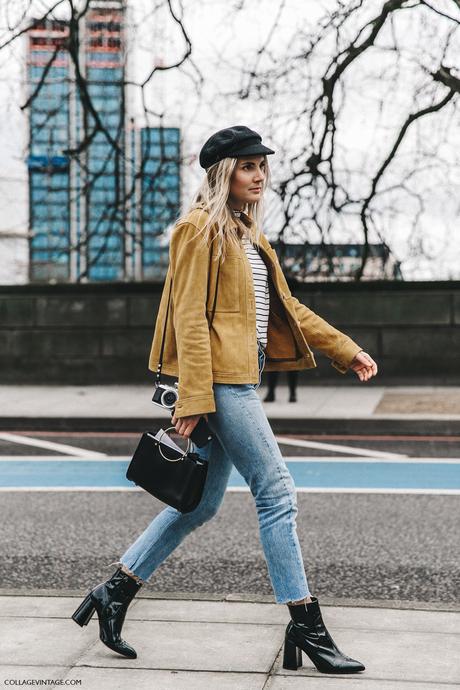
[
  {"x": 181, "y": 457},
  {"x": 160, "y": 362}
]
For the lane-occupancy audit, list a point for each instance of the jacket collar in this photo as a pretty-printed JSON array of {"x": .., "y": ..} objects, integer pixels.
[
  {"x": 248, "y": 221},
  {"x": 244, "y": 218}
]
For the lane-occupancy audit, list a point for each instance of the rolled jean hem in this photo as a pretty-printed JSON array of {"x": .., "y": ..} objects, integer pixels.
[
  {"x": 283, "y": 600},
  {"x": 279, "y": 600},
  {"x": 131, "y": 572}
]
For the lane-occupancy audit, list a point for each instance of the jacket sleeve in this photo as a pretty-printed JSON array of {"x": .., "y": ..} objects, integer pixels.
[
  {"x": 324, "y": 337},
  {"x": 189, "y": 260}
]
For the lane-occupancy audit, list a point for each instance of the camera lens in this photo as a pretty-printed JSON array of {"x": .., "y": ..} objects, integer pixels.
[{"x": 169, "y": 399}]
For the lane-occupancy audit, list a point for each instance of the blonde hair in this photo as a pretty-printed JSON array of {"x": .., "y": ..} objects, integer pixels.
[{"x": 212, "y": 199}]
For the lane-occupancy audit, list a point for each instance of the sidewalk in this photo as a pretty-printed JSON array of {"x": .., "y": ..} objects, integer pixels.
[
  {"x": 341, "y": 409},
  {"x": 184, "y": 644}
]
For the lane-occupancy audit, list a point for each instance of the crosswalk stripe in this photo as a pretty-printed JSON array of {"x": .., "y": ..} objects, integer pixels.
[
  {"x": 50, "y": 445},
  {"x": 350, "y": 450}
]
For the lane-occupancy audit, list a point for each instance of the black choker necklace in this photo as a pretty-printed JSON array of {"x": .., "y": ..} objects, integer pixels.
[{"x": 237, "y": 213}]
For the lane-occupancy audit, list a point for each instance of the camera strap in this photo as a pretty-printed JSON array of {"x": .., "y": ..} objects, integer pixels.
[{"x": 160, "y": 362}]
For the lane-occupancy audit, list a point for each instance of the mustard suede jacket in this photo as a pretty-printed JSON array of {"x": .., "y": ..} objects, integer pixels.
[{"x": 227, "y": 353}]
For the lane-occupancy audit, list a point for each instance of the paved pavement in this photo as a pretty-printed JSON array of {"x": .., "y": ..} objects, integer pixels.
[
  {"x": 358, "y": 400},
  {"x": 343, "y": 408},
  {"x": 184, "y": 644}
]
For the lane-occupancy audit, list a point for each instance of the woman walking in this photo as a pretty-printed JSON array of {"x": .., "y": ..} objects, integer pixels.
[{"x": 257, "y": 323}]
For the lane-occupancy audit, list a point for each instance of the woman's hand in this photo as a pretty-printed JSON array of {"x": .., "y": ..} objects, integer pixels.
[
  {"x": 364, "y": 366},
  {"x": 185, "y": 425}
]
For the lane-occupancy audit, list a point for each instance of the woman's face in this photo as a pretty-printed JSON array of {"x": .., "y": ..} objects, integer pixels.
[{"x": 246, "y": 182}]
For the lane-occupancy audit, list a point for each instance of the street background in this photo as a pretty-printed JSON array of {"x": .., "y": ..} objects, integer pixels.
[
  {"x": 378, "y": 524},
  {"x": 371, "y": 502}
]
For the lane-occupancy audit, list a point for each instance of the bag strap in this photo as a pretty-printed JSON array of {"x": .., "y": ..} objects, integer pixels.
[{"x": 160, "y": 362}]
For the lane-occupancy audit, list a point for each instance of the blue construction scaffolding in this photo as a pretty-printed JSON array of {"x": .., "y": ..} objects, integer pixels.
[{"x": 101, "y": 214}]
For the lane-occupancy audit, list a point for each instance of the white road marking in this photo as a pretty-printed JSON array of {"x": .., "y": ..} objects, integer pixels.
[
  {"x": 50, "y": 445},
  {"x": 64, "y": 458},
  {"x": 403, "y": 460},
  {"x": 360, "y": 490},
  {"x": 5, "y": 489},
  {"x": 241, "y": 489},
  {"x": 300, "y": 443}
]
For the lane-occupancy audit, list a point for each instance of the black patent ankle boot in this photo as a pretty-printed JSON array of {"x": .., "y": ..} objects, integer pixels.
[
  {"x": 307, "y": 633},
  {"x": 110, "y": 600}
]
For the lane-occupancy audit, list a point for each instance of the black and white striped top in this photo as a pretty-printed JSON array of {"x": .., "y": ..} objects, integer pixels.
[{"x": 260, "y": 278}]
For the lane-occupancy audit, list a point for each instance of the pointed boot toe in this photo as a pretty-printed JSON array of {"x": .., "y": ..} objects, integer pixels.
[
  {"x": 121, "y": 647},
  {"x": 353, "y": 664},
  {"x": 334, "y": 661}
]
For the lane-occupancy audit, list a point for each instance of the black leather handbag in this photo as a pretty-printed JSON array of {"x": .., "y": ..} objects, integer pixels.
[{"x": 174, "y": 477}]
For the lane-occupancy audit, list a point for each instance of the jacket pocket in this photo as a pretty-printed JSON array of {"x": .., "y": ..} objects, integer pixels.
[
  {"x": 228, "y": 292},
  {"x": 281, "y": 344}
]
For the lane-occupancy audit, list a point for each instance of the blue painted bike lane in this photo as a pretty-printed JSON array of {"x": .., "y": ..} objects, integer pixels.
[{"x": 65, "y": 473}]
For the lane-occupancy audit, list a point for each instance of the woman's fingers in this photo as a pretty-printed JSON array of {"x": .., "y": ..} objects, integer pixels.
[
  {"x": 365, "y": 373},
  {"x": 186, "y": 425},
  {"x": 367, "y": 366},
  {"x": 181, "y": 427},
  {"x": 371, "y": 363}
]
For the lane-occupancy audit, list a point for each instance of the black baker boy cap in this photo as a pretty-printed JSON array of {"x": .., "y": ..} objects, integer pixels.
[{"x": 230, "y": 143}]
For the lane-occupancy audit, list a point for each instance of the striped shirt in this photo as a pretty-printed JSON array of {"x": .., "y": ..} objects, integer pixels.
[{"x": 262, "y": 295}]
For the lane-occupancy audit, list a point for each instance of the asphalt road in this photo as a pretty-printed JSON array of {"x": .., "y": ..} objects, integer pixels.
[
  {"x": 354, "y": 545},
  {"x": 357, "y": 545}
]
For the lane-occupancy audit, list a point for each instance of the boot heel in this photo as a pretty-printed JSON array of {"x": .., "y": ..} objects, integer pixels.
[
  {"x": 299, "y": 657},
  {"x": 83, "y": 614},
  {"x": 292, "y": 657}
]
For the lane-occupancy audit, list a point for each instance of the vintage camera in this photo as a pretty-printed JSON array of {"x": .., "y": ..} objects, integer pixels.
[{"x": 165, "y": 396}]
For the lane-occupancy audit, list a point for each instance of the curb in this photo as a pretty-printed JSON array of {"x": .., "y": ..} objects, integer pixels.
[
  {"x": 414, "y": 426},
  {"x": 401, "y": 605}
]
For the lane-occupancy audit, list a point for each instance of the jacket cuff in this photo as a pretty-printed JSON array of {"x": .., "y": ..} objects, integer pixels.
[
  {"x": 347, "y": 354},
  {"x": 196, "y": 404}
]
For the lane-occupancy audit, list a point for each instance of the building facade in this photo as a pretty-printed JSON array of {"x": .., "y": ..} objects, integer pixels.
[
  {"x": 330, "y": 262},
  {"x": 101, "y": 190},
  {"x": 49, "y": 181}
]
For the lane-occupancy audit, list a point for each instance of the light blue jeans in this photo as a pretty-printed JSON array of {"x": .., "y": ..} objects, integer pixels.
[{"x": 242, "y": 438}]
